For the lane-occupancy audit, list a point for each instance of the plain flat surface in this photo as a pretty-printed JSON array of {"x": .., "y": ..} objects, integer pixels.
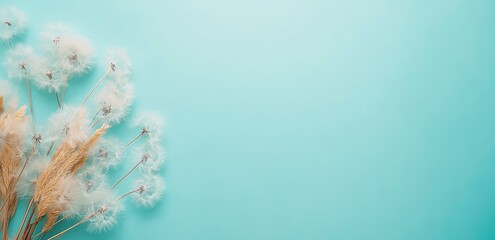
[{"x": 305, "y": 119}]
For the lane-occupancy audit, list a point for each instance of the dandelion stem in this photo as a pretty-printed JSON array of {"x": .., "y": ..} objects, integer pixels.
[
  {"x": 64, "y": 89},
  {"x": 96, "y": 115},
  {"x": 58, "y": 100},
  {"x": 127, "y": 174},
  {"x": 50, "y": 148},
  {"x": 133, "y": 140},
  {"x": 73, "y": 226},
  {"x": 17, "y": 179},
  {"x": 32, "y": 228},
  {"x": 43, "y": 236},
  {"x": 24, "y": 218},
  {"x": 95, "y": 86},
  {"x": 96, "y": 123},
  {"x": 45, "y": 232},
  {"x": 28, "y": 224},
  {"x": 129, "y": 193},
  {"x": 28, "y": 86}
]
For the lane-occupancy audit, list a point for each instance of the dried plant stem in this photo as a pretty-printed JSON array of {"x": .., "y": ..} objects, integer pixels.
[
  {"x": 133, "y": 140},
  {"x": 96, "y": 123},
  {"x": 129, "y": 193},
  {"x": 17, "y": 179},
  {"x": 42, "y": 236},
  {"x": 64, "y": 89},
  {"x": 84, "y": 219},
  {"x": 32, "y": 228},
  {"x": 44, "y": 232},
  {"x": 24, "y": 218},
  {"x": 127, "y": 174},
  {"x": 5, "y": 228},
  {"x": 73, "y": 226},
  {"x": 28, "y": 86},
  {"x": 95, "y": 86},
  {"x": 94, "y": 118},
  {"x": 58, "y": 100},
  {"x": 50, "y": 148},
  {"x": 28, "y": 224}
]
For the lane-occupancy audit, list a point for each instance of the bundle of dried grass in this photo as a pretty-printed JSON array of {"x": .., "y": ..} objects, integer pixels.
[{"x": 61, "y": 170}]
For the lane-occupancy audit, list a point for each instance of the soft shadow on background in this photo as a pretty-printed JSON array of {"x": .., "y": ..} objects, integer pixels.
[{"x": 305, "y": 119}]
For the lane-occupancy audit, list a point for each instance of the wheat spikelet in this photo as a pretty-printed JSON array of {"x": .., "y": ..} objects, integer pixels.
[
  {"x": 10, "y": 158},
  {"x": 65, "y": 162}
]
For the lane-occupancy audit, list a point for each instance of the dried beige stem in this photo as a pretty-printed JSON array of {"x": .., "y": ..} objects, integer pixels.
[{"x": 10, "y": 158}]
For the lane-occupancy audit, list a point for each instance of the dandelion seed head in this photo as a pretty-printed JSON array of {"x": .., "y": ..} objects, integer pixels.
[
  {"x": 13, "y": 23},
  {"x": 106, "y": 207},
  {"x": 50, "y": 77},
  {"x": 151, "y": 125},
  {"x": 119, "y": 64},
  {"x": 151, "y": 157},
  {"x": 67, "y": 51},
  {"x": 92, "y": 177},
  {"x": 106, "y": 154},
  {"x": 68, "y": 124},
  {"x": 20, "y": 62},
  {"x": 115, "y": 100},
  {"x": 150, "y": 190}
]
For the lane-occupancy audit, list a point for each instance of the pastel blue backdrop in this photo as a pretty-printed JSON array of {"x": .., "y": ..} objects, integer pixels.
[{"x": 315, "y": 119}]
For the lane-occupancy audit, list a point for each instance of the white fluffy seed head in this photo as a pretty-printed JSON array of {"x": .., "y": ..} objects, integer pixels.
[
  {"x": 151, "y": 125},
  {"x": 151, "y": 156},
  {"x": 150, "y": 190},
  {"x": 106, "y": 207},
  {"x": 67, "y": 51},
  {"x": 20, "y": 62},
  {"x": 50, "y": 77},
  {"x": 92, "y": 177},
  {"x": 13, "y": 23},
  {"x": 115, "y": 100},
  {"x": 119, "y": 64},
  {"x": 106, "y": 154},
  {"x": 34, "y": 140},
  {"x": 68, "y": 124}
]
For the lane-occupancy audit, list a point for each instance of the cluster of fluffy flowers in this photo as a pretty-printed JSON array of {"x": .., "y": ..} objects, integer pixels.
[{"x": 62, "y": 168}]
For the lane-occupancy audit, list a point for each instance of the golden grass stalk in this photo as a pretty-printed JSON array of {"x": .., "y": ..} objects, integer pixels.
[
  {"x": 10, "y": 158},
  {"x": 66, "y": 161}
]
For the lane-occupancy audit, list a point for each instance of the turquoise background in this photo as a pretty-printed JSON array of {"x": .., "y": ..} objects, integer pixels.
[{"x": 306, "y": 119}]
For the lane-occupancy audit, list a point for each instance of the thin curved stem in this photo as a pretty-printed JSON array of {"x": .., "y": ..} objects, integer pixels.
[
  {"x": 96, "y": 123},
  {"x": 28, "y": 224},
  {"x": 127, "y": 174},
  {"x": 129, "y": 193},
  {"x": 24, "y": 218},
  {"x": 28, "y": 86},
  {"x": 96, "y": 115},
  {"x": 73, "y": 226},
  {"x": 95, "y": 86},
  {"x": 83, "y": 220},
  {"x": 133, "y": 140},
  {"x": 58, "y": 100}
]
